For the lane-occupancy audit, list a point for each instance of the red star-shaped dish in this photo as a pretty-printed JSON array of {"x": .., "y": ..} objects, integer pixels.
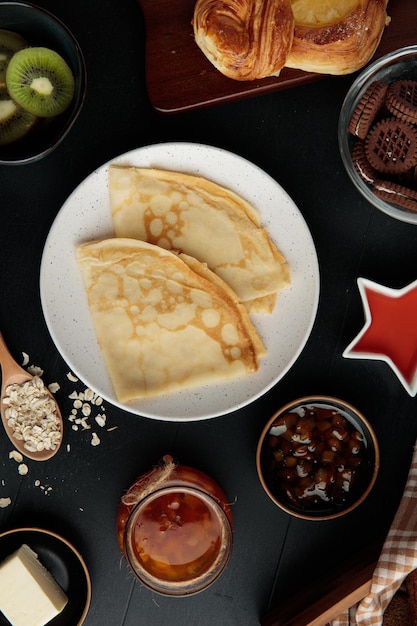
[{"x": 390, "y": 330}]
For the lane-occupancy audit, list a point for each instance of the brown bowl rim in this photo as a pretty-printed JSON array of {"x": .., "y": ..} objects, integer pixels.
[{"x": 310, "y": 400}]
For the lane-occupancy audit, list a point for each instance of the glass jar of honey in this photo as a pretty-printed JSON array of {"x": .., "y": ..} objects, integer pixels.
[{"x": 174, "y": 528}]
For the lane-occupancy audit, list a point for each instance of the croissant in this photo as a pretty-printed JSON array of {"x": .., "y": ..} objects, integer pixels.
[
  {"x": 245, "y": 39},
  {"x": 336, "y": 36},
  {"x": 253, "y": 39}
]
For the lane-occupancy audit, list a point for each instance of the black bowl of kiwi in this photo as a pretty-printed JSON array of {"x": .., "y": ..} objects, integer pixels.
[{"x": 42, "y": 82}]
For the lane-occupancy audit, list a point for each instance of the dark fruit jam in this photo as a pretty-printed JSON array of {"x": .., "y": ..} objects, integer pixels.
[{"x": 313, "y": 456}]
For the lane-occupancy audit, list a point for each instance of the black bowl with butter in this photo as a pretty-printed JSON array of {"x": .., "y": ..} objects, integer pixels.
[
  {"x": 317, "y": 458},
  {"x": 40, "y": 28}
]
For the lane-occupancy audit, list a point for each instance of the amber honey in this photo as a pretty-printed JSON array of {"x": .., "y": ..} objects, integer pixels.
[{"x": 177, "y": 539}]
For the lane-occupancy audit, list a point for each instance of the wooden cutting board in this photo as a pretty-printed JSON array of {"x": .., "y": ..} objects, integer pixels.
[{"x": 179, "y": 77}]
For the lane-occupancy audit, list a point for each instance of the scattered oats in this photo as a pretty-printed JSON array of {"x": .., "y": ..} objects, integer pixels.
[
  {"x": 16, "y": 456},
  {"x": 101, "y": 420},
  {"x": 23, "y": 469},
  {"x": 72, "y": 377},
  {"x": 35, "y": 370},
  {"x": 37, "y": 483},
  {"x": 82, "y": 411},
  {"x": 68, "y": 447},
  {"x": 54, "y": 387},
  {"x": 81, "y": 509},
  {"x": 4, "y": 502},
  {"x": 109, "y": 430},
  {"x": 25, "y": 359},
  {"x": 89, "y": 394}
]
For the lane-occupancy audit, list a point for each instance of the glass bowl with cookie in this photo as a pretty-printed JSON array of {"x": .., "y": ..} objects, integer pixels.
[{"x": 378, "y": 134}]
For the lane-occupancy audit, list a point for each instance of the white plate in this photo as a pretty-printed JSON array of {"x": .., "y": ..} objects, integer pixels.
[{"x": 86, "y": 215}]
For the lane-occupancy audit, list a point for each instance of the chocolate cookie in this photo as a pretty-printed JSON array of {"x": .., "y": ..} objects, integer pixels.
[
  {"x": 361, "y": 163},
  {"x": 396, "y": 194},
  {"x": 367, "y": 109},
  {"x": 391, "y": 146},
  {"x": 401, "y": 100},
  {"x": 410, "y": 177}
]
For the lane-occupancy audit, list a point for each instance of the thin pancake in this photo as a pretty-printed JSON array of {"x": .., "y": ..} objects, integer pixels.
[
  {"x": 164, "y": 321},
  {"x": 191, "y": 214}
]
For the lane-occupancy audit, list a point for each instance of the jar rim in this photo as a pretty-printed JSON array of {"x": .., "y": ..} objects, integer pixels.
[{"x": 200, "y": 581}]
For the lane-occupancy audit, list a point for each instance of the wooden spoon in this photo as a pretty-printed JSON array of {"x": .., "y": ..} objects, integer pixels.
[{"x": 12, "y": 374}]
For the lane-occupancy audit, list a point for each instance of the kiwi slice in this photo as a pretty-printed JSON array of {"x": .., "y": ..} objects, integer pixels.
[
  {"x": 40, "y": 81},
  {"x": 15, "y": 123},
  {"x": 10, "y": 43}
]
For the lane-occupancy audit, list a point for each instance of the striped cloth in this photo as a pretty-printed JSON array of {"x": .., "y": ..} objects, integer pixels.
[{"x": 397, "y": 559}]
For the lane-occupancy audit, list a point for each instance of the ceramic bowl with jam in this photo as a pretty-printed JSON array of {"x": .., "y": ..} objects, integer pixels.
[{"x": 317, "y": 458}]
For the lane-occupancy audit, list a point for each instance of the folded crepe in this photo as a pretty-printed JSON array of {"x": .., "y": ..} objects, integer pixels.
[
  {"x": 163, "y": 320},
  {"x": 193, "y": 215}
]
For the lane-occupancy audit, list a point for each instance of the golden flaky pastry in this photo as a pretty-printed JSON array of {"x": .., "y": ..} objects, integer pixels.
[
  {"x": 193, "y": 215},
  {"x": 336, "y": 36},
  {"x": 164, "y": 322},
  {"x": 253, "y": 39},
  {"x": 244, "y": 39}
]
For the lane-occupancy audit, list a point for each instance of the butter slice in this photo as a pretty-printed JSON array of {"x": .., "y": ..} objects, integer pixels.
[{"x": 28, "y": 592}]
